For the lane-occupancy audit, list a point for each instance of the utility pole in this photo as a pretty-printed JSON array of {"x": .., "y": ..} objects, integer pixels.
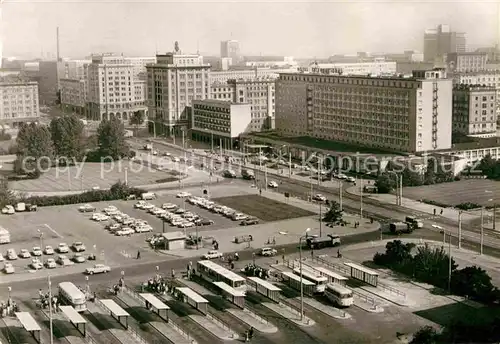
[
  {"x": 340, "y": 193},
  {"x": 320, "y": 222},
  {"x": 449, "y": 263},
  {"x": 401, "y": 190},
  {"x": 289, "y": 164},
  {"x": 361, "y": 197},
  {"x": 460, "y": 229},
  {"x": 482, "y": 231}
]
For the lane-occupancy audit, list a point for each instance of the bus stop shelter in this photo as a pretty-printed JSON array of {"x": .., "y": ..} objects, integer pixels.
[
  {"x": 234, "y": 296},
  {"x": 363, "y": 274},
  {"x": 293, "y": 281},
  {"x": 193, "y": 299},
  {"x": 265, "y": 288},
  {"x": 75, "y": 319},
  {"x": 156, "y": 305},
  {"x": 29, "y": 324},
  {"x": 333, "y": 277},
  {"x": 118, "y": 313}
]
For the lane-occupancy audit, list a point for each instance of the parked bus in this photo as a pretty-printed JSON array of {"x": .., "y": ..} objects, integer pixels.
[
  {"x": 339, "y": 295},
  {"x": 213, "y": 272},
  {"x": 70, "y": 294},
  {"x": 314, "y": 277}
]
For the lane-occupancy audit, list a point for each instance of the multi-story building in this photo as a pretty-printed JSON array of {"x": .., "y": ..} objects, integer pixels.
[
  {"x": 173, "y": 83},
  {"x": 19, "y": 102},
  {"x": 112, "y": 89},
  {"x": 398, "y": 114},
  {"x": 466, "y": 62},
  {"x": 486, "y": 78},
  {"x": 49, "y": 75},
  {"x": 378, "y": 67},
  {"x": 258, "y": 92},
  {"x": 442, "y": 41},
  {"x": 230, "y": 49},
  {"x": 74, "y": 95},
  {"x": 474, "y": 110},
  {"x": 139, "y": 64},
  {"x": 76, "y": 69},
  {"x": 219, "y": 122},
  {"x": 225, "y": 76}
]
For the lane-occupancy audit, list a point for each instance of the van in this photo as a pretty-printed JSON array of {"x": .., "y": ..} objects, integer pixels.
[
  {"x": 414, "y": 221},
  {"x": 148, "y": 196},
  {"x": 21, "y": 206}
]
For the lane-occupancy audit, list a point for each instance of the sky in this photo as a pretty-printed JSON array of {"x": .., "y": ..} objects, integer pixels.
[{"x": 291, "y": 28}]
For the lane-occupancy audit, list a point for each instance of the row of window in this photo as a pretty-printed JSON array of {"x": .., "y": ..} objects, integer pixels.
[{"x": 349, "y": 81}]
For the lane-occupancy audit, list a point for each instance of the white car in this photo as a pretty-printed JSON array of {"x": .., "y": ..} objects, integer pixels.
[
  {"x": 272, "y": 184},
  {"x": 36, "y": 264},
  {"x": 148, "y": 206},
  {"x": 140, "y": 205},
  {"x": 97, "y": 269},
  {"x": 319, "y": 197},
  {"x": 212, "y": 255},
  {"x": 50, "y": 263},
  {"x": 186, "y": 224},
  {"x": 168, "y": 206},
  {"x": 11, "y": 254},
  {"x": 8, "y": 210},
  {"x": 143, "y": 229},
  {"x": 111, "y": 208},
  {"x": 36, "y": 251},
  {"x": 78, "y": 246},
  {"x": 86, "y": 208},
  {"x": 176, "y": 159},
  {"x": 64, "y": 260},
  {"x": 124, "y": 231},
  {"x": 1, "y": 258},
  {"x": 49, "y": 250},
  {"x": 78, "y": 258},
  {"x": 99, "y": 217},
  {"x": 8, "y": 268},
  {"x": 24, "y": 253},
  {"x": 351, "y": 179},
  {"x": 63, "y": 248},
  {"x": 183, "y": 194},
  {"x": 113, "y": 227}
]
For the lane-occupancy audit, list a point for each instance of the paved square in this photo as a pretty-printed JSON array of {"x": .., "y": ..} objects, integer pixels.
[
  {"x": 263, "y": 208},
  {"x": 478, "y": 191}
]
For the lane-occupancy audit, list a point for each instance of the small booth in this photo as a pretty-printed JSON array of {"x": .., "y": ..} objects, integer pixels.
[
  {"x": 294, "y": 281},
  {"x": 363, "y": 274},
  {"x": 333, "y": 277},
  {"x": 118, "y": 313},
  {"x": 265, "y": 288},
  {"x": 75, "y": 319},
  {"x": 193, "y": 299},
  {"x": 229, "y": 293},
  {"x": 156, "y": 305},
  {"x": 29, "y": 324},
  {"x": 174, "y": 241}
]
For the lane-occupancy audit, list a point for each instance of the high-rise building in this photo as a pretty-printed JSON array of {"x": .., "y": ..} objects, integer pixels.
[
  {"x": 398, "y": 114},
  {"x": 74, "y": 95},
  {"x": 230, "y": 49},
  {"x": 112, "y": 89},
  {"x": 441, "y": 41},
  {"x": 173, "y": 82},
  {"x": 140, "y": 64},
  {"x": 49, "y": 76},
  {"x": 19, "y": 102},
  {"x": 485, "y": 78},
  {"x": 466, "y": 62},
  {"x": 474, "y": 110}
]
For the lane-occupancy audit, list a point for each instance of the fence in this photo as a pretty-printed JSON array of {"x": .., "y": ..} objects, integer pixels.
[
  {"x": 391, "y": 289},
  {"x": 221, "y": 323}
]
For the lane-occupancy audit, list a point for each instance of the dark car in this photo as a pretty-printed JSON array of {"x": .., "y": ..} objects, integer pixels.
[
  {"x": 204, "y": 222},
  {"x": 248, "y": 222}
]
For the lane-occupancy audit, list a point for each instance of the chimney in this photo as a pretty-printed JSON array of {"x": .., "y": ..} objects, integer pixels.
[{"x": 57, "y": 38}]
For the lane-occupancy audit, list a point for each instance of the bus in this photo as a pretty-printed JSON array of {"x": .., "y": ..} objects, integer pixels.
[
  {"x": 339, "y": 295},
  {"x": 71, "y": 295},
  {"x": 314, "y": 277},
  {"x": 213, "y": 272}
]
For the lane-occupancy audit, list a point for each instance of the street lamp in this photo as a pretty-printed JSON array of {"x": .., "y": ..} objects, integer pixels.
[
  {"x": 449, "y": 252},
  {"x": 397, "y": 187},
  {"x": 51, "y": 325},
  {"x": 40, "y": 233}
]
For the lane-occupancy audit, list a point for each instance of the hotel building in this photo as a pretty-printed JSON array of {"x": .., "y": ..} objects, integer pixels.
[
  {"x": 397, "y": 114},
  {"x": 19, "y": 102}
]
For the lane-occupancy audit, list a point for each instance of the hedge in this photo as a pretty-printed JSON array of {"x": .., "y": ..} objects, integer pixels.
[{"x": 116, "y": 192}]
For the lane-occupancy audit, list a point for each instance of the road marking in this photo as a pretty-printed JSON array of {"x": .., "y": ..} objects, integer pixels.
[{"x": 52, "y": 230}]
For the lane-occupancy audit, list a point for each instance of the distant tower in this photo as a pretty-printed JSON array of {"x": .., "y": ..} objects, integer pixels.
[{"x": 1, "y": 35}]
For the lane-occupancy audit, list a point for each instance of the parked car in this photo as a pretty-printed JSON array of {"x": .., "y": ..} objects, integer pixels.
[
  {"x": 8, "y": 210},
  {"x": 24, "y": 253},
  {"x": 63, "y": 248},
  {"x": 140, "y": 205},
  {"x": 8, "y": 268},
  {"x": 124, "y": 231},
  {"x": 272, "y": 184},
  {"x": 48, "y": 250},
  {"x": 78, "y": 246},
  {"x": 64, "y": 261},
  {"x": 113, "y": 227},
  {"x": 36, "y": 264},
  {"x": 86, "y": 208},
  {"x": 351, "y": 179},
  {"x": 97, "y": 269},
  {"x": 319, "y": 197},
  {"x": 36, "y": 251},
  {"x": 78, "y": 258},
  {"x": 183, "y": 194},
  {"x": 268, "y": 252},
  {"x": 50, "y": 263},
  {"x": 212, "y": 255},
  {"x": 168, "y": 206},
  {"x": 204, "y": 222},
  {"x": 249, "y": 221},
  {"x": 11, "y": 254}
]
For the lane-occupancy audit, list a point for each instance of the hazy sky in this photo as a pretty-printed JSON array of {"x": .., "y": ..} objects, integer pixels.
[{"x": 298, "y": 28}]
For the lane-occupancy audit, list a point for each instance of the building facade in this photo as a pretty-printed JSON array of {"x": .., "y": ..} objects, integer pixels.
[
  {"x": 49, "y": 75},
  {"x": 486, "y": 78},
  {"x": 76, "y": 69},
  {"x": 112, "y": 89},
  {"x": 74, "y": 95},
  {"x": 219, "y": 122},
  {"x": 258, "y": 92},
  {"x": 379, "y": 67},
  {"x": 19, "y": 102},
  {"x": 222, "y": 77},
  {"x": 474, "y": 110},
  {"x": 442, "y": 41},
  {"x": 398, "y": 114},
  {"x": 230, "y": 49},
  {"x": 466, "y": 62},
  {"x": 173, "y": 83},
  {"x": 139, "y": 66}
]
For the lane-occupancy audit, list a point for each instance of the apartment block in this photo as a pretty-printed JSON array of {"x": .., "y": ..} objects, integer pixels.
[
  {"x": 112, "y": 89},
  {"x": 474, "y": 110},
  {"x": 19, "y": 102},
  {"x": 466, "y": 62},
  {"x": 173, "y": 83},
  {"x": 484, "y": 78},
  {"x": 397, "y": 114},
  {"x": 219, "y": 122},
  {"x": 378, "y": 67},
  {"x": 222, "y": 77},
  {"x": 74, "y": 95}
]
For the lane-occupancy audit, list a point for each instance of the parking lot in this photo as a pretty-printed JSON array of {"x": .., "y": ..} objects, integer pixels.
[{"x": 479, "y": 191}]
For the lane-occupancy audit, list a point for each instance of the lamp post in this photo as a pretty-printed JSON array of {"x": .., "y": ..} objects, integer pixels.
[
  {"x": 51, "y": 325},
  {"x": 361, "y": 197},
  {"x": 40, "y": 233},
  {"x": 482, "y": 232},
  {"x": 397, "y": 187},
  {"x": 341, "y": 185}
]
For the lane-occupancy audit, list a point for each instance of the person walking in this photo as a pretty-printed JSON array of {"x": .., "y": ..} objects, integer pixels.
[{"x": 138, "y": 254}]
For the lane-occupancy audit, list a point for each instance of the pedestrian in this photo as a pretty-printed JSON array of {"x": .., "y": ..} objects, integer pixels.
[
  {"x": 441, "y": 212},
  {"x": 138, "y": 254}
]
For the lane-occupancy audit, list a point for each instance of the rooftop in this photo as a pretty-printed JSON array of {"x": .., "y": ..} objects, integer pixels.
[
  {"x": 217, "y": 102},
  {"x": 479, "y": 87},
  {"x": 478, "y": 143},
  {"x": 397, "y": 77}
]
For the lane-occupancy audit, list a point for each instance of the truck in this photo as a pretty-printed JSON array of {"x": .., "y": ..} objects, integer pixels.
[
  {"x": 414, "y": 221},
  {"x": 317, "y": 242},
  {"x": 400, "y": 227},
  {"x": 247, "y": 174},
  {"x": 4, "y": 236}
]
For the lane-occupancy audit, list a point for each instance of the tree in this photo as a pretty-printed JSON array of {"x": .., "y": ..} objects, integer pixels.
[
  {"x": 6, "y": 196},
  {"x": 397, "y": 255},
  {"x": 68, "y": 137},
  {"x": 472, "y": 282},
  {"x": 35, "y": 150},
  {"x": 111, "y": 139},
  {"x": 436, "y": 173},
  {"x": 334, "y": 214},
  {"x": 385, "y": 183},
  {"x": 490, "y": 167},
  {"x": 431, "y": 265},
  {"x": 426, "y": 335},
  {"x": 137, "y": 119}
]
